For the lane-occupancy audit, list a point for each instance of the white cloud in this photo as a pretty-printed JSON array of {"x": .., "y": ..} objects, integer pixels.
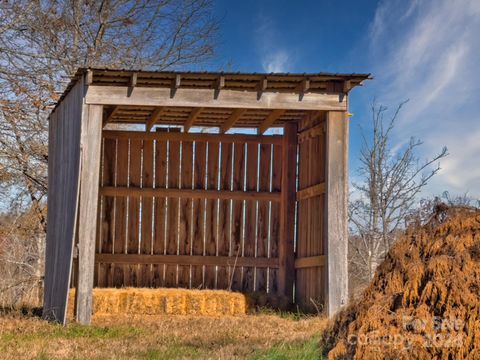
[
  {"x": 275, "y": 61},
  {"x": 274, "y": 56},
  {"x": 428, "y": 52}
]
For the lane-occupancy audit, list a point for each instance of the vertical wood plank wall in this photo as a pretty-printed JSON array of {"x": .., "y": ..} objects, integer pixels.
[
  {"x": 63, "y": 180},
  {"x": 186, "y": 233},
  {"x": 310, "y": 269},
  {"x": 240, "y": 229}
]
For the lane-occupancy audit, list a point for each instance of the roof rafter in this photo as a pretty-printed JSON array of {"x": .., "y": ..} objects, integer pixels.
[
  {"x": 228, "y": 124},
  {"x": 110, "y": 115},
  {"x": 157, "y": 113},
  {"x": 270, "y": 119},
  {"x": 191, "y": 118}
]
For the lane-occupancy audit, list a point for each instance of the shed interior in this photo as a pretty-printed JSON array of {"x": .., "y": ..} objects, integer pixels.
[{"x": 225, "y": 191}]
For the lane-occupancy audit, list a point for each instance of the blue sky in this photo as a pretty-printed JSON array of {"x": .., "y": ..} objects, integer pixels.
[{"x": 427, "y": 51}]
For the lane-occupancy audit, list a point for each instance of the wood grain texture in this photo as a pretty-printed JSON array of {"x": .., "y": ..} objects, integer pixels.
[
  {"x": 107, "y": 219},
  {"x": 63, "y": 185},
  {"x": 146, "y": 246},
  {"x": 287, "y": 212},
  {"x": 160, "y": 211},
  {"x": 121, "y": 95},
  {"x": 200, "y": 208},
  {"x": 133, "y": 192},
  {"x": 173, "y": 182},
  {"x": 310, "y": 274},
  {"x": 209, "y": 260},
  {"x": 91, "y": 138},
  {"x": 198, "y": 137},
  {"x": 120, "y": 273},
  {"x": 336, "y": 203}
]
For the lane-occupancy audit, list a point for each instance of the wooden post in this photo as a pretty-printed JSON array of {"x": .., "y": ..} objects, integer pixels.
[
  {"x": 287, "y": 216},
  {"x": 336, "y": 211},
  {"x": 89, "y": 187}
]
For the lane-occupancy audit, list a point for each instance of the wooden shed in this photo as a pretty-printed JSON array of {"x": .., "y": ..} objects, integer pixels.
[{"x": 176, "y": 179}]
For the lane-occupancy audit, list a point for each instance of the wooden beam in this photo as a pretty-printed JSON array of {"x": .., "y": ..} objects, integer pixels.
[
  {"x": 270, "y": 119},
  {"x": 261, "y": 87},
  {"x": 157, "y": 113},
  {"x": 191, "y": 119},
  {"x": 310, "y": 192},
  {"x": 145, "y": 96},
  {"x": 336, "y": 242},
  {"x": 228, "y": 124},
  {"x": 133, "y": 83},
  {"x": 303, "y": 88},
  {"x": 314, "y": 131},
  {"x": 89, "y": 78},
  {"x": 226, "y": 261},
  {"x": 178, "y": 136},
  {"x": 91, "y": 140},
  {"x": 309, "y": 262},
  {"x": 189, "y": 193},
  {"x": 133, "y": 79},
  {"x": 219, "y": 85},
  {"x": 175, "y": 85},
  {"x": 286, "y": 274},
  {"x": 305, "y": 85},
  {"x": 110, "y": 116}
]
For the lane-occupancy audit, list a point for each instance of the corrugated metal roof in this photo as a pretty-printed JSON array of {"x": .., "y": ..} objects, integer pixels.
[{"x": 205, "y": 79}]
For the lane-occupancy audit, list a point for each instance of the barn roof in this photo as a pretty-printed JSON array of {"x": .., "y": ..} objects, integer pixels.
[{"x": 259, "y": 83}]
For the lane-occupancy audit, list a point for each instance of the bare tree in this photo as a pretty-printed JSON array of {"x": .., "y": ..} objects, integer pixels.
[
  {"x": 387, "y": 194},
  {"x": 42, "y": 43}
]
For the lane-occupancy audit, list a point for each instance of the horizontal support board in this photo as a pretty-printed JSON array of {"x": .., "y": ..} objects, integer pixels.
[
  {"x": 146, "y": 96},
  {"x": 311, "y": 191},
  {"x": 189, "y": 193},
  {"x": 178, "y": 136},
  {"x": 260, "y": 262},
  {"x": 309, "y": 262}
]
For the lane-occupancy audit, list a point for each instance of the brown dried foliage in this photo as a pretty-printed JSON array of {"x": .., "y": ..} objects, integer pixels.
[{"x": 424, "y": 301}]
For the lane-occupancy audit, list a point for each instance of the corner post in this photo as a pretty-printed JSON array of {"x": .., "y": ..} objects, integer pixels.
[
  {"x": 287, "y": 211},
  {"x": 87, "y": 222},
  {"x": 336, "y": 211}
]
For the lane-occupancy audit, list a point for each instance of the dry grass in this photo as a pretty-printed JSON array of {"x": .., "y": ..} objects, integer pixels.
[
  {"x": 164, "y": 301},
  {"x": 163, "y": 337}
]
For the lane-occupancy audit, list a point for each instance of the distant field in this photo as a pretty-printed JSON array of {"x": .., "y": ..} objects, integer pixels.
[{"x": 163, "y": 337}]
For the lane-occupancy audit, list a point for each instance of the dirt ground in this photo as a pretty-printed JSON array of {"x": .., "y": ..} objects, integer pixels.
[{"x": 262, "y": 336}]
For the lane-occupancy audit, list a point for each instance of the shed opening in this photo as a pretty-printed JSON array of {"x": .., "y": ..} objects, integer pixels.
[{"x": 150, "y": 187}]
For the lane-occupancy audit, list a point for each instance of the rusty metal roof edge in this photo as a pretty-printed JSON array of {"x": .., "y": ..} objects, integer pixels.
[
  {"x": 365, "y": 76},
  {"x": 83, "y": 70}
]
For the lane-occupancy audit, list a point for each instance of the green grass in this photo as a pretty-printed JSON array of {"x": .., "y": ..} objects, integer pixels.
[
  {"x": 308, "y": 350},
  {"x": 73, "y": 331},
  {"x": 174, "y": 351},
  {"x": 252, "y": 337}
]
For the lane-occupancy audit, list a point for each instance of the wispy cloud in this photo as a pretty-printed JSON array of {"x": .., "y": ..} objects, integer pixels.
[
  {"x": 274, "y": 55},
  {"x": 428, "y": 52}
]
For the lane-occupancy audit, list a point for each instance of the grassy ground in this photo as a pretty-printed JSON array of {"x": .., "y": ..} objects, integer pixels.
[{"x": 263, "y": 336}]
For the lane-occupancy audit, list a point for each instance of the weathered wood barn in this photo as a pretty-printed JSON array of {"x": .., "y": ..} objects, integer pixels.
[{"x": 176, "y": 179}]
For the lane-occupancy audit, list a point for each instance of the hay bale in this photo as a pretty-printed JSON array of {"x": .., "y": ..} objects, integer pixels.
[
  {"x": 143, "y": 301},
  {"x": 424, "y": 301}
]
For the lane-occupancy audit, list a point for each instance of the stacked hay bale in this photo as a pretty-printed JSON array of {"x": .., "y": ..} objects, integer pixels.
[
  {"x": 142, "y": 301},
  {"x": 424, "y": 301}
]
